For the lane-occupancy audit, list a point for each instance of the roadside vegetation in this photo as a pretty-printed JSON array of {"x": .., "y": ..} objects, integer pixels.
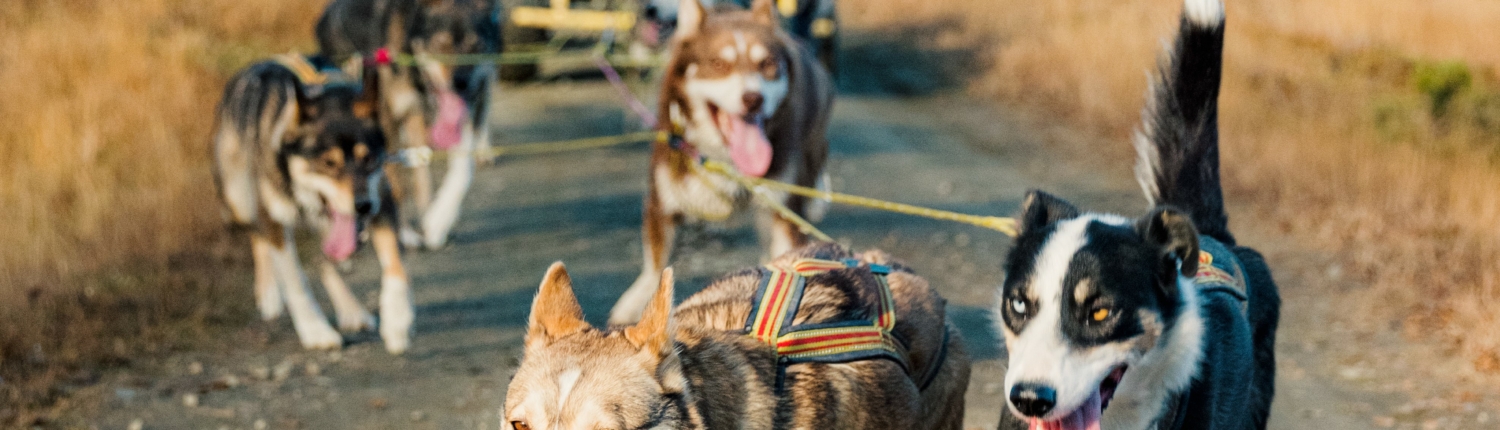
[
  {"x": 1370, "y": 130},
  {"x": 110, "y": 225}
]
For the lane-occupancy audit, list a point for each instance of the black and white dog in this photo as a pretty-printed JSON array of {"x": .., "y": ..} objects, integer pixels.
[{"x": 1160, "y": 322}]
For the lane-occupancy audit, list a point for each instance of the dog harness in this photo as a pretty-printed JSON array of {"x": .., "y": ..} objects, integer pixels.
[
  {"x": 315, "y": 75},
  {"x": 1220, "y": 271},
  {"x": 780, "y": 294}
]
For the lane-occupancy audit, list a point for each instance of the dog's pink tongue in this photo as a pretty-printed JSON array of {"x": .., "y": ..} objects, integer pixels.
[
  {"x": 1086, "y": 417},
  {"x": 748, "y": 147},
  {"x": 450, "y": 117},
  {"x": 338, "y": 242}
]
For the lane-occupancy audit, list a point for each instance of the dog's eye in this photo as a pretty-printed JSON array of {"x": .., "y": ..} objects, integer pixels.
[
  {"x": 1018, "y": 305},
  {"x": 718, "y": 66},
  {"x": 768, "y": 68},
  {"x": 517, "y": 425},
  {"x": 1101, "y": 314}
]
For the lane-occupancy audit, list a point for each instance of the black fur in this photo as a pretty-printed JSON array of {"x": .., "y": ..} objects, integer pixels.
[{"x": 1136, "y": 267}]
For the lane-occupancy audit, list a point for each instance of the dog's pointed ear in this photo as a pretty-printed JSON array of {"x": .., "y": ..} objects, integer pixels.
[
  {"x": 690, "y": 16},
  {"x": 1039, "y": 210},
  {"x": 765, "y": 12},
  {"x": 654, "y": 333},
  {"x": 1172, "y": 231},
  {"x": 555, "y": 312}
]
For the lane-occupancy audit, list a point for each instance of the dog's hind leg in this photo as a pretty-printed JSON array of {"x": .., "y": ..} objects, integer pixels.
[
  {"x": 352, "y": 316},
  {"x": 267, "y": 290},
  {"x": 396, "y": 313},
  {"x": 312, "y": 327},
  {"x": 658, "y": 233}
]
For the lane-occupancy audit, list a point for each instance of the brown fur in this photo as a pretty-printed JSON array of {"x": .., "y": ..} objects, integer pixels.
[
  {"x": 713, "y": 376},
  {"x": 797, "y": 131}
]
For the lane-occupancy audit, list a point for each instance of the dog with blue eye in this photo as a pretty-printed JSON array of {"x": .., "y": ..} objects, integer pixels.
[{"x": 1157, "y": 322}]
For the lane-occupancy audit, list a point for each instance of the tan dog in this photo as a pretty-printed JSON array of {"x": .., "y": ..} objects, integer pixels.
[
  {"x": 696, "y": 368},
  {"x": 740, "y": 90}
]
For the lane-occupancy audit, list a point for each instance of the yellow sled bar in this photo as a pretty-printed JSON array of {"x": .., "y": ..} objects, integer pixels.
[{"x": 560, "y": 17}]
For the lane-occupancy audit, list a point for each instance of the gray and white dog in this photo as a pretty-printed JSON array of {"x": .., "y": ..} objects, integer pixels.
[
  {"x": 433, "y": 100},
  {"x": 1159, "y": 322}
]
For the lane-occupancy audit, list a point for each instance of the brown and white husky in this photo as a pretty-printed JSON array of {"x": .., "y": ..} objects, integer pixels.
[
  {"x": 696, "y": 367},
  {"x": 740, "y": 90}
]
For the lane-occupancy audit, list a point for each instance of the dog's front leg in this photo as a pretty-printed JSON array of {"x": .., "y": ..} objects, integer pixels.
[
  {"x": 352, "y": 316},
  {"x": 312, "y": 327},
  {"x": 658, "y": 233},
  {"x": 778, "y": 235},
  {"x": 267, "y": 289},
  {"x": 396, "y": 313},
  {"x": 439, "y": 218}
]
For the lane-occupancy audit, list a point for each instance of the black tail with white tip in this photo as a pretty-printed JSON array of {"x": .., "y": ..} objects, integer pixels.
[{"x": 1178, "y": 143}]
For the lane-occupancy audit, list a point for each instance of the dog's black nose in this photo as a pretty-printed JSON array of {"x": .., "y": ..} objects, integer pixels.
[
  {"x": 1033, "y": 400},
  {"x": 652, "y": 13},
  {"x": 363, "y": 207},
  {"x": 753, "y": 101}
]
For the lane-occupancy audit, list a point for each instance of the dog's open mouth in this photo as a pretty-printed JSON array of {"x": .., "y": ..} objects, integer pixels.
[
  {"x": 447, "y": 128},
  {"x": 749, "y": 148},
  {"x": 339, "y": 242},
  {"x": 1087, "y": 416}
]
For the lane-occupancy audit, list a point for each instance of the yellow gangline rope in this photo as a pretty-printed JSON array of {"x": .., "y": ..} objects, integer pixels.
[
  {"x": 760, "y": 195},
  {"x": 415, "y": 157},
  {"x": 1000, "y": 224}
]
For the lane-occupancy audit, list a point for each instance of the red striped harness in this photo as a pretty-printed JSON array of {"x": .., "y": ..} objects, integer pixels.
[{"x": 776, "y": 303}]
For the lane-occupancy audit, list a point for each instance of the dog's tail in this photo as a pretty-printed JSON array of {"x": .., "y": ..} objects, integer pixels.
[{"x": 1178, "y": 142}]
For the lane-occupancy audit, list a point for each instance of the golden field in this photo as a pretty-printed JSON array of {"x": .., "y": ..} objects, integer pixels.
[
  {"x": 1368, "y": 129},
  {"x": 105, "y": 195}
]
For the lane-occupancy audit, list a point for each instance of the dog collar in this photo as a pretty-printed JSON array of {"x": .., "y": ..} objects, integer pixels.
[{"x": 776, "y": 302}]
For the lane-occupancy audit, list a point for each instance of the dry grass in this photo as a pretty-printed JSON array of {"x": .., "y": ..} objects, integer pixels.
[
  {"x": 1329, "y": 128},
  {"x": 103, "y": 162}
]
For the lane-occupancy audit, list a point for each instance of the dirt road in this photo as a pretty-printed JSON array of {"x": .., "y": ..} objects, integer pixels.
[{"x": 584, "y": 208}]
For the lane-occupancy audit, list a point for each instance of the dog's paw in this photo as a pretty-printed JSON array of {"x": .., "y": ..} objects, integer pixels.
[
  {"x": 319, "y": 336},
  {"x": 270, "y": 306},
  {"x": 396, "y": 316},
  {"x": 410, "y": 238},
  {"x": 355, "y": 322}
]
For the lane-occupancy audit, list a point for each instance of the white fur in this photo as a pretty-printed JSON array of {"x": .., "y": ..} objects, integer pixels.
[
  {"x": 565, "y": 383},
  {"x": 307, "y": 187},
  {"x": 758, "y": 53},
  {"x": 1204, "y": 13},
  {"x": 267, "y": 288},
  {"x": 312, "y": 327},
  {"x": 818, "y": 208},
  {"x": 281, "y": 209},
  {"x": 239, "y": 176},
  {"x": 352, "y": 317},
  {"x": 1161, "y": 372},
  {"x": 728, "y": 54},
  {"x": 1041, "y": 354},
  {"x": 444, "y": 211}
]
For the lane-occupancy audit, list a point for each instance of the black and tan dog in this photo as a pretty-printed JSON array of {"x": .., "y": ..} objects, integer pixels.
[
  {"x": 297, "y": 142},
  {"x": 821, "y": 338},
  {"x": 740, "y": 90},
  {"x": 1160, "y": 322},
  {"x": 434, "y": 102}
]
